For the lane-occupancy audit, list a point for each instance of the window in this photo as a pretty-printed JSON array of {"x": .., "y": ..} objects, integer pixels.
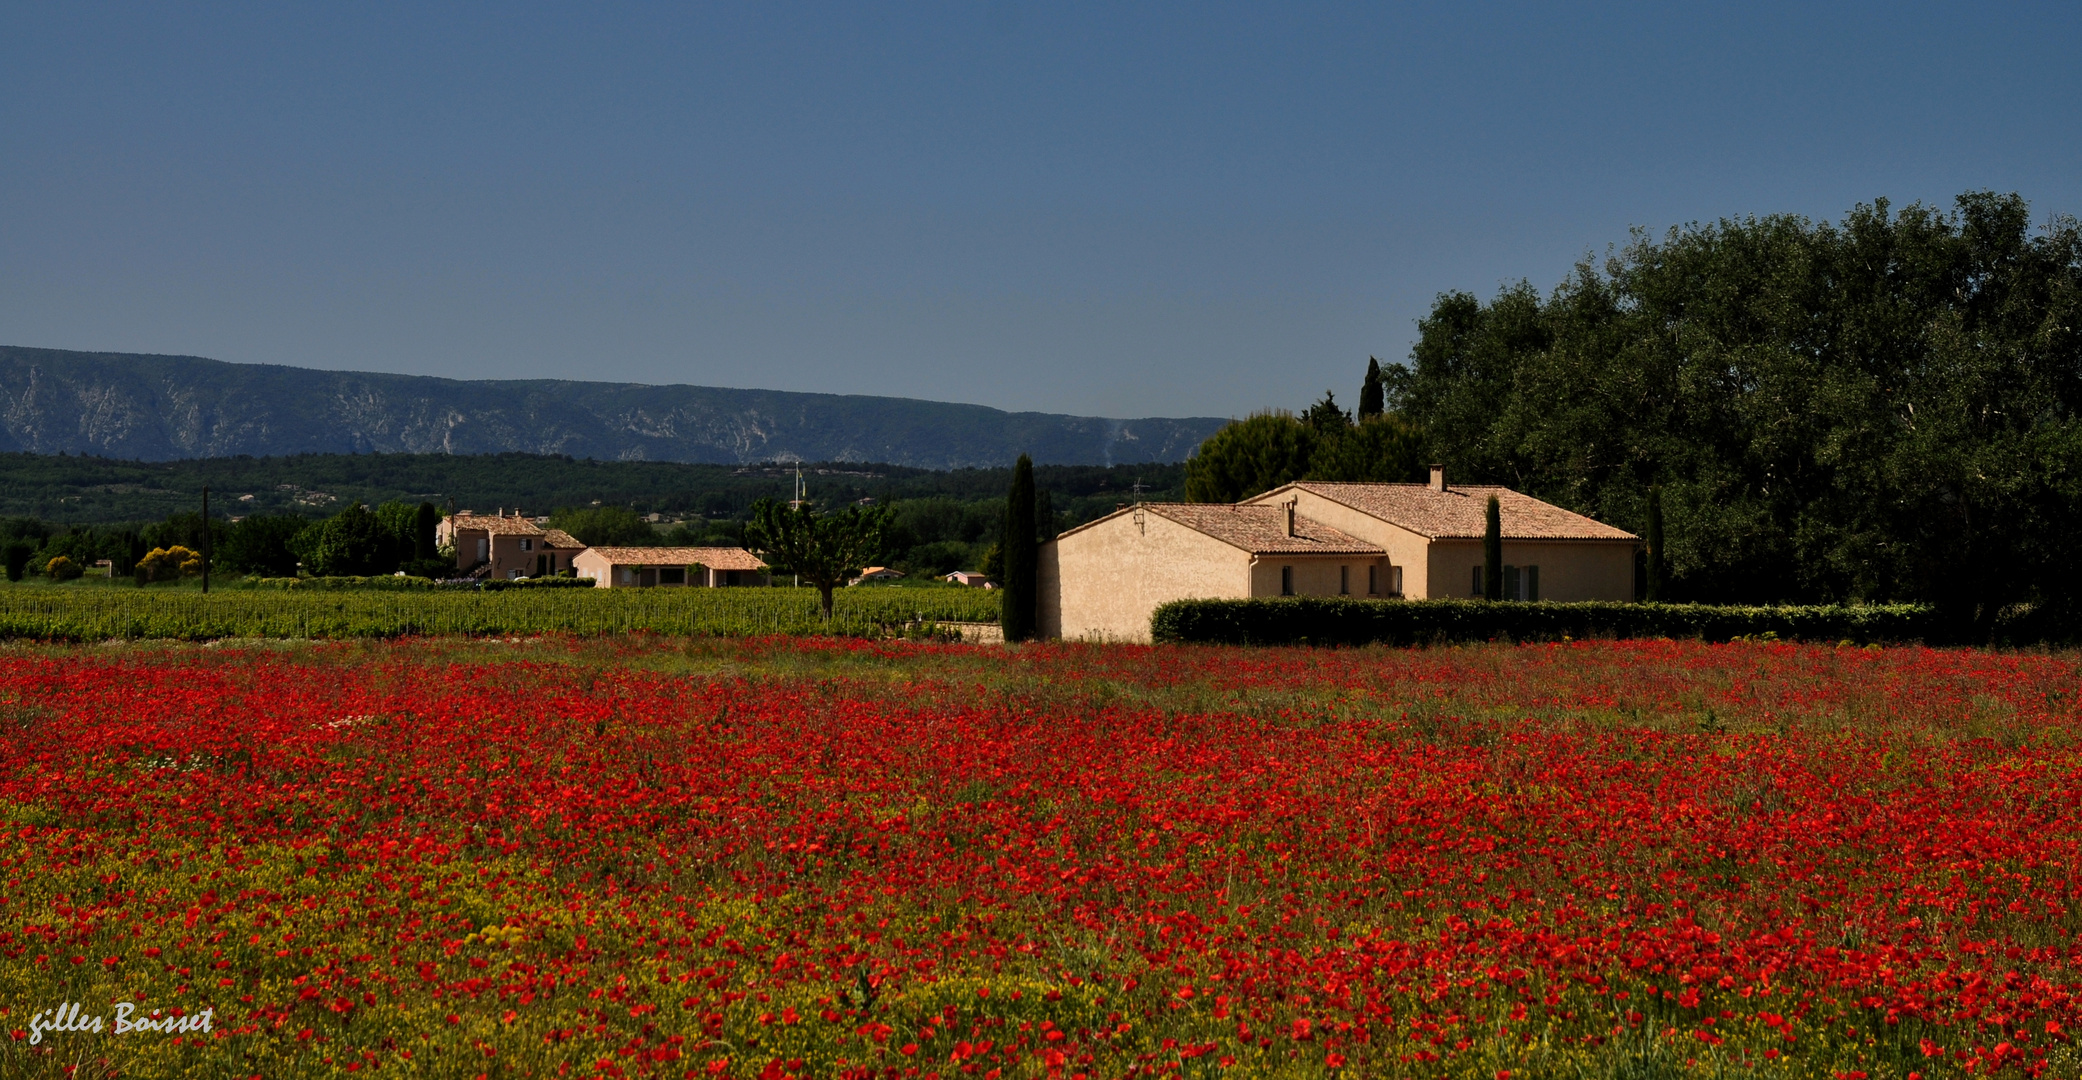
[
  {"x": 1478, "y": 583},
  {"x": 527, "y": 544},
  {"x": 1373, "y": 585},
  {"x": 1395, "y": 581},
  {"x": 1344, "y": 581},
  {"x": 1521, "y": 583},
  {"x": 484, "y": 548},
  {"x": 672, "y": 575},
  {"x": 1286, "y": 581}
]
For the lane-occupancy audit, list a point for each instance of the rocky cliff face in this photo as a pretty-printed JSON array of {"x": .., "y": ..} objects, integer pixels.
[{"x": 157, "y": 408}]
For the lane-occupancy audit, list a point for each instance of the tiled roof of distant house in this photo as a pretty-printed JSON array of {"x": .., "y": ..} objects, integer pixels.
[
  {"x": 715, "y": 558},
  {"x": 495, "y": 525},
  {"x": 558, "y": 538},
  {"x": 1261, "y": 530},
  {"x": 1459, "y": 512}
]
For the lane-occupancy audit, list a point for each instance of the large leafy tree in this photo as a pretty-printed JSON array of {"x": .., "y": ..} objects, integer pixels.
[
  {"x": 1250, "y": 456},
  {"x": 262, "y": 544},
  {"x": 353, "y": 542},
  {"x": 1255, "y": 455},
  {"x": 1886, "y": 407},
  {"x": 822, "y": 549},
  {"x": 1383, "y": 449}
]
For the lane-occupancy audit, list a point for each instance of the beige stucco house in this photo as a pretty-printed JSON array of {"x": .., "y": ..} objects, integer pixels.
[
  {"x": 642, "y": 567},
  {"x": 512, "y": 545},
  {"x": 1104, "y": 579},
  {"x": 1432, "y": 534}
]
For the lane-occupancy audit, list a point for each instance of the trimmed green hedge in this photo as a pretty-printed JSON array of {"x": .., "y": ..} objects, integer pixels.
[{"x": 1327, "y": 620}]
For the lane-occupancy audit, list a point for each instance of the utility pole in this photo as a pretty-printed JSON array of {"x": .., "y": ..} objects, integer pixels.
[{"x": 206, "y": 539}]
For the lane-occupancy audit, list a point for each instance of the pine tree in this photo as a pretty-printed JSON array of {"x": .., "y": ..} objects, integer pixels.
[
  {"x": 1326, "y": 419},
  {"x": 1022, "y": 556},
  {"x": 1493, "y": 551},
  {"x": 1373, "y": 398}
]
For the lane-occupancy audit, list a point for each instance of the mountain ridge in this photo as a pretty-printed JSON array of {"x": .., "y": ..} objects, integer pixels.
[{"x": 158, "y": 407}]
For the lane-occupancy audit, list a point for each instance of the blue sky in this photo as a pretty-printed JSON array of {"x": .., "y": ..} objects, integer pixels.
[{"x": 1111, "y": 209}]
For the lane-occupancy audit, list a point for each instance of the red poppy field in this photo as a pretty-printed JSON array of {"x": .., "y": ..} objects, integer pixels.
[{"x": 827, "y": 858}]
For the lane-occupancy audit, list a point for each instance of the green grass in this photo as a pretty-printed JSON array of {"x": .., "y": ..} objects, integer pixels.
[{"x": 70, "y": 613}]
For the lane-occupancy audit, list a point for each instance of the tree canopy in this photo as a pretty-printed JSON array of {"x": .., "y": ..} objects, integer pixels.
[
  {"x": 1257, "y": 454},
  {"x": 1882, "y": 408},
  {"x": 606, "y": 526},
  {"x": 823, "y": 549}
]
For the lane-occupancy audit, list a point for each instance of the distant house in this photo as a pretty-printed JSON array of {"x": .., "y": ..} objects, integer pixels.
[
  {"x": 506, "y": 545},
  {"x": 1104, "y": 579},
  {"x": 970, "y": 578},
  {"x": 1433, "y": 536},
  {"x": 877, "y": 573},
  {"x": 645, "y": 567}
]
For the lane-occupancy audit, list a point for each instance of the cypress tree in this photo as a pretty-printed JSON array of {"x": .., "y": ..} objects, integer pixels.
[
  {"x": 1373, "y": 399},
  {"x": 423, "y": 522},
  {"x": 1493, "y": 551},
  {"x": 1022, "y": 556},
  {"x": 1655, "y": 544}
]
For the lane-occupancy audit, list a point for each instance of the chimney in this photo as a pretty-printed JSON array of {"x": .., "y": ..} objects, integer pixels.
[
  {"x": 1438, "y": 478},
  {"x": 1290, "y": 519}
]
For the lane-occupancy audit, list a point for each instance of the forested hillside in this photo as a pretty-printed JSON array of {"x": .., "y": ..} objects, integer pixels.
[
  {"x": 157, "y": 408},
  {"x": 1880, "y": 408}
]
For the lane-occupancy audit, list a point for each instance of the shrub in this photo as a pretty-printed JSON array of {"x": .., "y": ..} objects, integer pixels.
[
  {"x": 389, "y": 582},
  {"x": 498, "y": 584},
  {"x": 1343, "y": 621},
  {"x": 168, "y": 564},
  {"x": 62, "y": 568}
]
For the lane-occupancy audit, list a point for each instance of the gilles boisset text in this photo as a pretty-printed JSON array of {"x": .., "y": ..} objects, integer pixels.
[{"x": 67, "y": 1017}]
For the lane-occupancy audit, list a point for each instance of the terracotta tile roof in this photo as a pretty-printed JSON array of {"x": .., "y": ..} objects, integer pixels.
[
  {"x": 558, "y": 538},
  {"x": 1458, "y": 512},
  {"x": 1261, "y": 530},
  {"x": 715, "y": 558},
  {"x": 495, "y": 525}
]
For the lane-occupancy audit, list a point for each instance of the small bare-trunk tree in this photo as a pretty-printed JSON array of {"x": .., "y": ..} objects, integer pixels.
[{"x": 822, "y": 549}]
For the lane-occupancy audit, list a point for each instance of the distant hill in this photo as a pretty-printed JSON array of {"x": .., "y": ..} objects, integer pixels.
[{"x": 162, "y": 408}]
